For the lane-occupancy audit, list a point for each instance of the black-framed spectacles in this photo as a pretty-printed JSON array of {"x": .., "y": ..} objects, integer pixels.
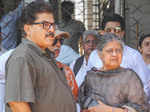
[
  {"x": 115, "y": 29},
  {"x": 61, "y": 40},
  {"x": 90, "y": 41},
  {"x": 46, "y": 25}
]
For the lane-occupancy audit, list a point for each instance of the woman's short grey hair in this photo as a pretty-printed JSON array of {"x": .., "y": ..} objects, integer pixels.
[
  {"x": 90, "y": 32},
  {"x": 106, "y": 38}
]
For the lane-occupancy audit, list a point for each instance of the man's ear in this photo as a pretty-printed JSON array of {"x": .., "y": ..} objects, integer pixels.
[
  {"x": 122, "y": 34},
  {"x": 140, "y": 49},
  {"x": 27, "y": 29}
]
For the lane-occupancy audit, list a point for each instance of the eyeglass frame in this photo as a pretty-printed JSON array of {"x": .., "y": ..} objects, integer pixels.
[
  {"x": 90, "y": 41},
  {"x": 111, "y": 51},
  {"x": 61, "y": 40},
  {"x": 51, "y": 25},
  {"x": 114, "y": 28}
]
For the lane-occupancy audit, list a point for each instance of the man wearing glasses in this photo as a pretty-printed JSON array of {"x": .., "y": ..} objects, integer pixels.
[
  {"x": 33, "y": 81},
  {"x": 79, "y": 66},
  {"x": 131, "y": 57},
  {"x": 58, "y": 42}
]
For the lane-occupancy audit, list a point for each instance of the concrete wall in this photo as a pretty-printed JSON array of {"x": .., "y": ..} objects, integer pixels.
[{"x": 137, "y": 16}]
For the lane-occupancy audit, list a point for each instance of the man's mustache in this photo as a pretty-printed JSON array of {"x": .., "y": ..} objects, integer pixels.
[
  {"x": 50, "y": 34},
  {"x": 56, "y": 48}
]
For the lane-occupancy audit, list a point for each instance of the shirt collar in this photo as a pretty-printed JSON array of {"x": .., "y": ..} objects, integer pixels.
[{"x": 33, "y": 46}]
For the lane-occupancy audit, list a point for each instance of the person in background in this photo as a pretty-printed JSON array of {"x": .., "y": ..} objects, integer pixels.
[
  {"x": 70, "y": 49},
  {"x": 131, "y": 58},
  {"x": 2, "y": 80},
  {"x": 3, "y": 60},
  {"x": 79, "y": 66},
  {"x": 0, "y": 38},
  {"x": 35, "y": 83},
  {"x": 68, "y": 24},
  {"x": 112, "y": 88},
  {"x": 58, "y": 42},
  {"x": 144, "y": 48},
  {"x": 9, "y": 24}
]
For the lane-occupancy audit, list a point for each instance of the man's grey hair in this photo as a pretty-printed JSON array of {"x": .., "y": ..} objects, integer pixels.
[
  {"x": 106, "y": 38},
  {"x": 90, "y": 32}
]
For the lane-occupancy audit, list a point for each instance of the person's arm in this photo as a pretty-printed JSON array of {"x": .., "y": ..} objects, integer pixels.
[
  {"x": 136, "y": 98},
  {"x": 143, "y": 72},
  {"x": 19, "y": 107},
  {"x": 19, "y": 84}
]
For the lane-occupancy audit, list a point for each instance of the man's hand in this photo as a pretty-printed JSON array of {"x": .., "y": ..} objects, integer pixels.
[{"x": 19, "y": 107}]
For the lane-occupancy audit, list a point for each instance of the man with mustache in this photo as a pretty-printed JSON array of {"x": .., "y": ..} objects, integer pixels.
[
  {"x": 34, "y": 83},
  {"x": 79, "y": 66},
  {"x": 58, "y": 42}
]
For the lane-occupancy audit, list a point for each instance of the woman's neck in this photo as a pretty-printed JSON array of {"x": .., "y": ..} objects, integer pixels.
[{"x": 108, "y": 68}]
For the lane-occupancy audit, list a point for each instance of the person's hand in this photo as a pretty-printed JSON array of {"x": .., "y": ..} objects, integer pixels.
[{"x": 101, "y": 107}]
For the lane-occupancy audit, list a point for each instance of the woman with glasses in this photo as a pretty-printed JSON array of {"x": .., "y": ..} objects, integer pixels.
[{"x": 112, "y": 88}]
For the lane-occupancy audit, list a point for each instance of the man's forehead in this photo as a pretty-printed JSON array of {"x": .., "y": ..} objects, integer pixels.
[
  {"x": 45, "y": 16},
  {"x": 90, "y": 37},
  {"x": 112, "y": 24}
]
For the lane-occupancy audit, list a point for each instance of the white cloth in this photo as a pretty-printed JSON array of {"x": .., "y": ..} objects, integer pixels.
[
  {"x": 3, "y": 60},
  {"x": 80, "y": 75},
  {"x": 148, "y": 66},
  {"x": 131, "y": 59},
  {"x": 2, "y": 50},
  {"x": 67, "y": 55}
]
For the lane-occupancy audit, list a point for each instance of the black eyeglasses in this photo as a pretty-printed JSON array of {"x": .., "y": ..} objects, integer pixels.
[
  {"x": 46, "y": 25},
  {"x": 90, "y": 41},
  {"x": 115, "y": 29},
  {"x": 61, "y": 40}
]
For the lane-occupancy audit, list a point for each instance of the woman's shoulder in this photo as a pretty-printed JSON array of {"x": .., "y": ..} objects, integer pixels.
[
  {"x": 121, "y": 73},
  {"x": 116, "y": 71}
]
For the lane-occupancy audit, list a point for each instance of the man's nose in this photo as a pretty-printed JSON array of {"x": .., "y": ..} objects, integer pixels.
[
  {"x": 58, "y": 44},
  {"x": 114, "y": 53},
  {"x": 113, "y": 31},
  {"x": 52, "y": 29}
]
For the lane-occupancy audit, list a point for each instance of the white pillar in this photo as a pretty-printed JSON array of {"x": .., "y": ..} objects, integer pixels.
[{"x": 118, "y": 7}]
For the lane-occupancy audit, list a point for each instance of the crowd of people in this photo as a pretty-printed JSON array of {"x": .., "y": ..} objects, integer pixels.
[{"x": 41, "y": 69}]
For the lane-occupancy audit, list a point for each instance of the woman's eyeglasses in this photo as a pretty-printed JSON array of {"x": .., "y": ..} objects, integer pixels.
[{"x": 61, "y": 40}]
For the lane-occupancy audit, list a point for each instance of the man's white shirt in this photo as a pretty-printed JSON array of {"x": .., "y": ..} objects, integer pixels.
[
  {"x": 80, "y": 76},
  {"x": 3, "y": 59}
]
